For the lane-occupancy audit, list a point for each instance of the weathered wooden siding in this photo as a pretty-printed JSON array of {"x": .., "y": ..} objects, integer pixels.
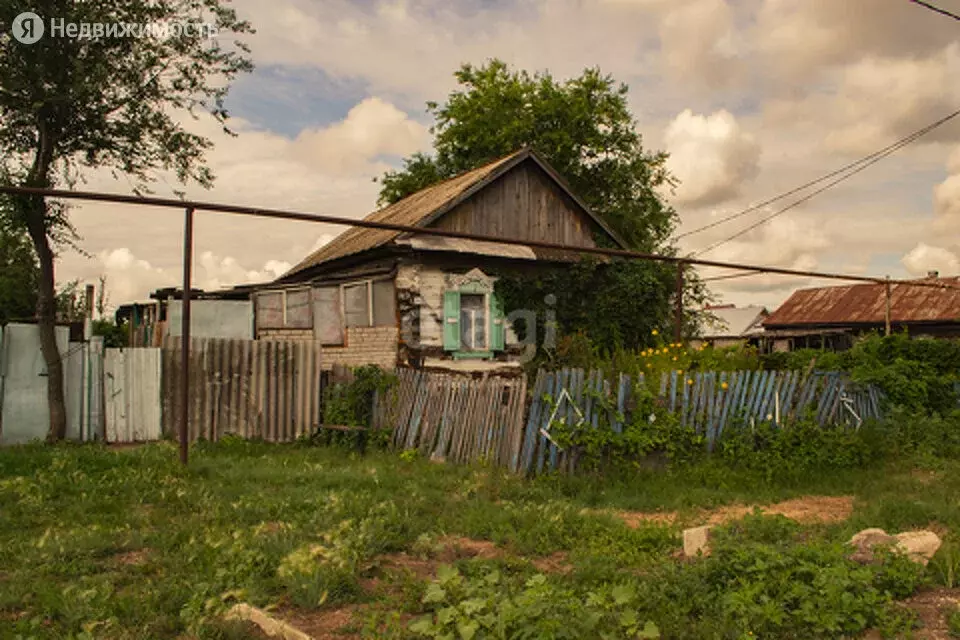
[{"x": 522, "y": 204}]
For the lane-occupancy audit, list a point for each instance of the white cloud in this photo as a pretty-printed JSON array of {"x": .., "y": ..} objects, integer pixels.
[
  {"x": 129, "y": 277},
  {"x": 711, "y": 156},
  {"x": 946, "y": 196},
  {"x": 371, "y": 129},
  {"x": 924, "y": 258},
  {"x": 327, "y": 170}
]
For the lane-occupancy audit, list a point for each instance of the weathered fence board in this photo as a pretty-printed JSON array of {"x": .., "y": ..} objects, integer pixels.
[
  {"x": 708, "y": 402},
  {"x": 455, "y": 417},
  {"x": 251, "y": 388},
  {"x": 132, "y": 382}
]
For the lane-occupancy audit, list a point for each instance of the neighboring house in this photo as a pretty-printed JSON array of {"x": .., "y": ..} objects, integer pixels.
[
  {"x": 729, "y": 325},
  {"x": 382, "y": 297},
  {"x": 216, "y": 314},
  {"x": 829, "y": 317}
]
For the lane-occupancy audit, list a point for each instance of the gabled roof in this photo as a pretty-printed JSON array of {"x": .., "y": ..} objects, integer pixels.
[
  {"x": 866, "y": 304},
  {"x": 731, "y": 321},
  {"x": 425, "y": 206}
]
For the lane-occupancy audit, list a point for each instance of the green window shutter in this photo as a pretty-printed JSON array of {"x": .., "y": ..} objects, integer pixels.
[
  {"x": 497, "y": 324},
  {"x": 451, "y": 320}
]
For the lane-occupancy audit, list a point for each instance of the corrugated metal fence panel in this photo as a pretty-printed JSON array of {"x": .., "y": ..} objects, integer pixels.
[
  {"x": 24, "y": 412},
  {"x": 132, "y": 380},
  {"x": 251, "y": 388}
]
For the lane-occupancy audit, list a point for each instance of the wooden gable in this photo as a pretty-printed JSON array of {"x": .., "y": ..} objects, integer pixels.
[{"x": 524, "y": 203}]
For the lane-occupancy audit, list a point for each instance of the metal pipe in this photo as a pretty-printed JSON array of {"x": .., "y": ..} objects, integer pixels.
[
  {"x": 886, "y": 314},
  {"x": 185, "y": 335},
  {"x": 372, "y": 224}
]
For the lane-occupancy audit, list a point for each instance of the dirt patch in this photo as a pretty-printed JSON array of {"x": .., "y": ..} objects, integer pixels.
[
  {"x": 933, "y": 608},
  {"x": 635, "y": 519},
  {"x": 554, "y": 563},
  {"x": 452, "y": 548},
  {"x": 807, "y": 510},
  {"x": 132, "y": 558},
  {"x": 323, "y": 624}
]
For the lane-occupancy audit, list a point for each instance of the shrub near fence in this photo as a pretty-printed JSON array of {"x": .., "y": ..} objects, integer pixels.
[{"x": 705, "y": 403}]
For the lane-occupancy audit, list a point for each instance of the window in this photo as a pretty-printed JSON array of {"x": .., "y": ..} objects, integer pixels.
[
  {"x": 371, "y": 303},
  {"x": 329, "y": 310},
  {"x": 473, "y": 324},
  {"x": 285, "y": 309}
]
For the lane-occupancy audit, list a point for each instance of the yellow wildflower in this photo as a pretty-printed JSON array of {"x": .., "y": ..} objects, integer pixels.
[
  {"x": 654, "y": 332},
  {"x": 689, "y": 380},
  {"x": 724, "y": 385},
  {"x": 674, "y": 358}
]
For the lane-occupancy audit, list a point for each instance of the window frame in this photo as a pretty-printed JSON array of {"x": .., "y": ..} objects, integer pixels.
[
  {"x": 493, "y": 314},
  {"x": 284, "y": 322},
  {"x": 371, "y": 316}
]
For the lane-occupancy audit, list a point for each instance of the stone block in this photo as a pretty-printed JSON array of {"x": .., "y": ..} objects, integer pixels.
[{"x": 696, "y": 541}]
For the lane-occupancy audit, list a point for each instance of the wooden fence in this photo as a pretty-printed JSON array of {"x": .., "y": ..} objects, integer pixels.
[
  {"x": 251, "y": 388},
  {"x": 455, "y": 417},
  {"x": 709, "y": 402}
]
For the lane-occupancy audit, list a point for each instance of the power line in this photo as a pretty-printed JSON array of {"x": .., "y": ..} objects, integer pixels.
[
  {"x": 935, "y": 8},
  {"x": 279, "y": 214},
  {"x": 880, "y": 153},
  {"x": 877, "y": 158}
]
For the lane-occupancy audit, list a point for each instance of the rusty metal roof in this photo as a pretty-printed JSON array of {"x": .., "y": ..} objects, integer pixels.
[
  {"x": 425, "y": 206},
  {"x": 866, "y": 304}
]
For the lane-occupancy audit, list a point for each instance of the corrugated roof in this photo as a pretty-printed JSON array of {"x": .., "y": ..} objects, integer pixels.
[
  {"x": 422, "y": 207},
  {"x": 733, "y": 322},
  {"x": 866, "y": 304},
  {"x": 410, "y": 211}
]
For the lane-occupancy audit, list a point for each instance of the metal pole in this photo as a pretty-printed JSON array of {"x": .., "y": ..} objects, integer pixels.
[
  {"x": 886, "y": 315},
  {"x": 678, "y": 317},
  {"x": 185, "y": 335}
]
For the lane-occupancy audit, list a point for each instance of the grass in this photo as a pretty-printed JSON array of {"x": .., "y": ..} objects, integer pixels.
[{"x": 127, "y": 544}]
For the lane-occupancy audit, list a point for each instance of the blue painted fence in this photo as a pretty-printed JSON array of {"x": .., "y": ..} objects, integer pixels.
[{"x": 709, "y": 402}]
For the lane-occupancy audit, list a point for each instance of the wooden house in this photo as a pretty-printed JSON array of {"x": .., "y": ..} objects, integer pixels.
[{"x": 381, "y": 297}]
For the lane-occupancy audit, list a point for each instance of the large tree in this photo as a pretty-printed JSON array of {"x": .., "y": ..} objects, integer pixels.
[
  {"x": 116, "y": 99},
  {"x": 585, "y": 129}
]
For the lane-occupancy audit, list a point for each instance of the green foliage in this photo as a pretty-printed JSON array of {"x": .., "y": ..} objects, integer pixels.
[
  {"x": 19, "y": 272},
  {"x": 582, "y": 126},
  {"x": 953, "y": 623},
  {"x": 114, "y": 336},
  {"x": 98, "y": 542},
  {"x": 595, "y": 299},
  {"x": 494, "y": 606},
  {"x": 352, "y": 403},
  {"x": 915, "y": 373}
]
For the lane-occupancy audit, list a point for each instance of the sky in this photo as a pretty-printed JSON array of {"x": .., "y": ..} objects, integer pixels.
[{"x": 749, "y": 97}]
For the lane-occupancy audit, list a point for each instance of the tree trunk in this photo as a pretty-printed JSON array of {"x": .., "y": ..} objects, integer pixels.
[
  {"x": 33, "y": 212},
  {"x": 47, "y": 319}
]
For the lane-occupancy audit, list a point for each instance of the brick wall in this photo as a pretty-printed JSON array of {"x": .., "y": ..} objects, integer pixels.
[
  {"x": 285, "y": 334},
  {"x": 365, "y": 345}
]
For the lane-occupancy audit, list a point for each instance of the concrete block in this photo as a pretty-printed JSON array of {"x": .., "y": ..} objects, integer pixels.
[{"x": 696, "y": 541}]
